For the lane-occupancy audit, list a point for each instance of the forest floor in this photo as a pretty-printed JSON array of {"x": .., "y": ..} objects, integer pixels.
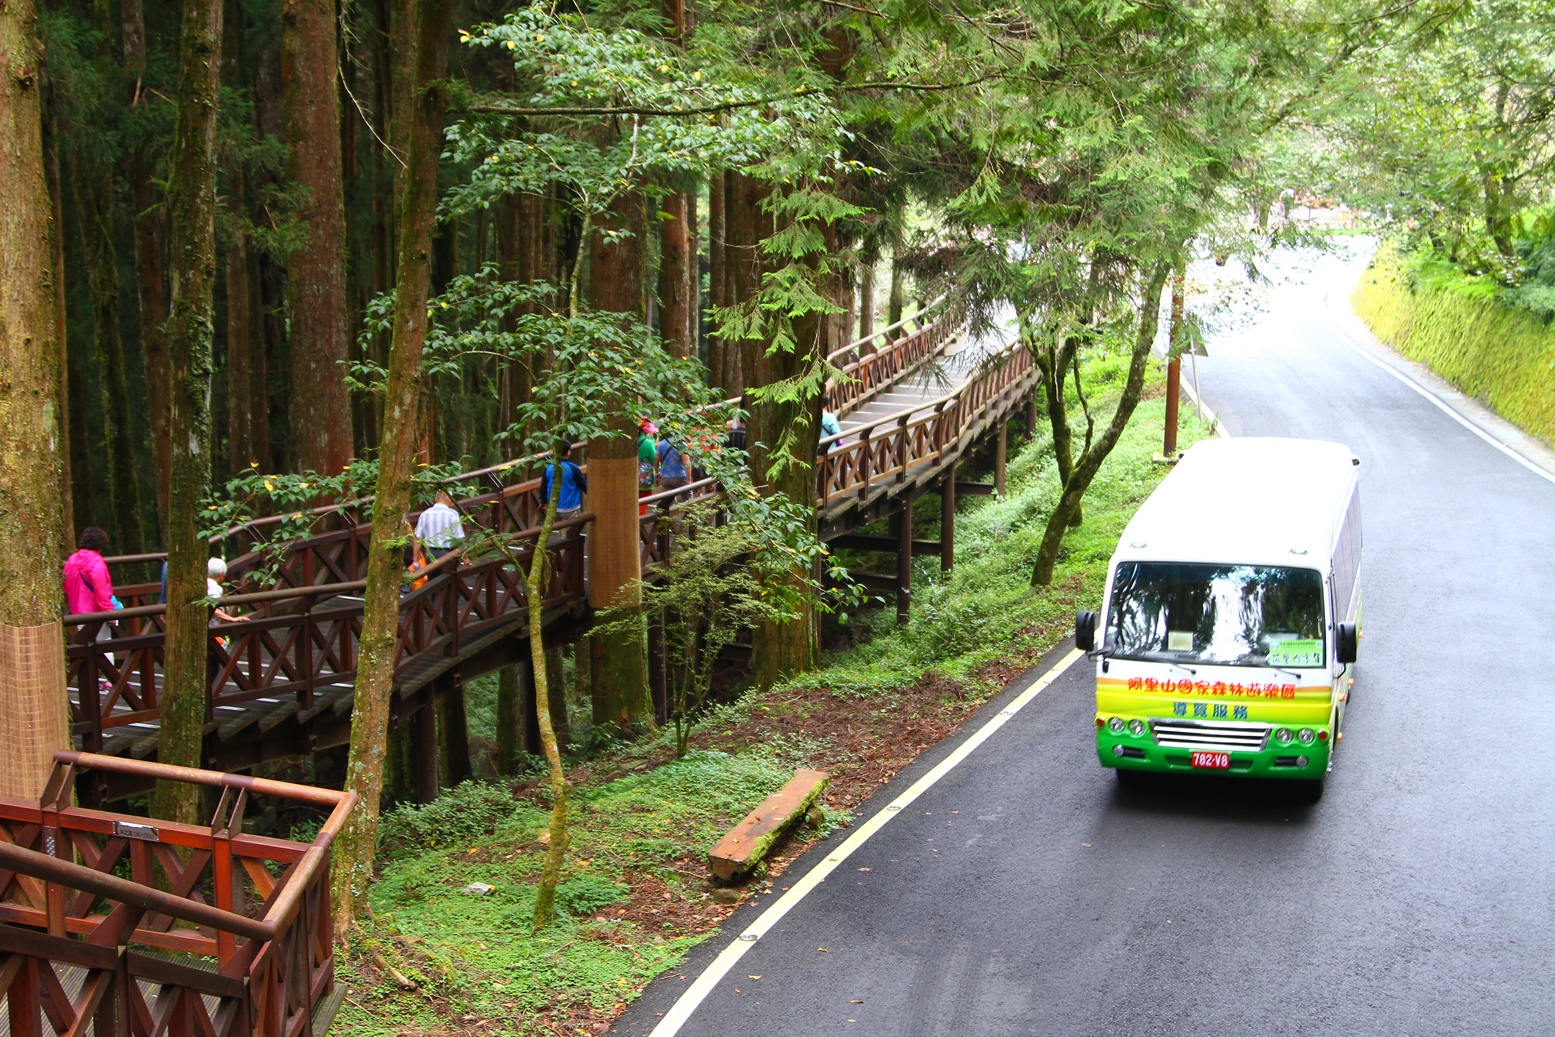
[{"x": 438, "y": 957}]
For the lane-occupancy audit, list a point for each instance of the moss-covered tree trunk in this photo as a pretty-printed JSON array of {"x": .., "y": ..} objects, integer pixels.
[
  {"x": 534, "y": 589},
  {"x": 150, "y": 258},
  {"x": 380, "y": 620},
  {"x": 91, "y": 182},
  {"x": 778, "y": 649},
  {"x": 1089, "y": 462},
  {"x": 34, "y": 712},
  {"x": 191, "y": 195},
  {"x": 316, "y": 272},
  {"x": 619, "y": 658}
]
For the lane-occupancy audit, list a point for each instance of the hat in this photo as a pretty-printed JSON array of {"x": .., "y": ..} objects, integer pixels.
[
  {"x": 648, "y": 427},
  {"x": 215, "y": 568}
]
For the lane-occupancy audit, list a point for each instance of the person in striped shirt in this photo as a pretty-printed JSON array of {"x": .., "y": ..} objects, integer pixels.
[{"x": 439, "y": 527}]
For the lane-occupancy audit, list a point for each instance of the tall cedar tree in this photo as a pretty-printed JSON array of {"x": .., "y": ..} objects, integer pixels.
[
  {"x": 316, "y": 272},
  {"x": 191, "y": 195},
  {"x": 396, "y": 455},
  {"x": 92, "y": 186},
  {"x": 619, "y": 658},
  {"x": 150, "y": 259},
  {"x": 31, "y": 467}
]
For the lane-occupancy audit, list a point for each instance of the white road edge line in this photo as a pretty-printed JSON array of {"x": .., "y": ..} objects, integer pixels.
[
  {"x": 1211, "y": 416},
  {"x": 1438, "y": 403},
  {"x": 695, "y": 994}
]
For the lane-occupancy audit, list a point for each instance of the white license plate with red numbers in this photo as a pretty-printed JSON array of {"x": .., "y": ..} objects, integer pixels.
[{"x": 1212, "y": 761}]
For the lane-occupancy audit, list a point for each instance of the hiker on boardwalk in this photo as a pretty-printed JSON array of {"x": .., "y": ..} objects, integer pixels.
[
  {"x": 439, "y": 526},
  {"x": 569, "y": 501},
  {"x": 88, "y": 588},
  {"x": 674, "y": 467},
  {"x": 647, "y": 461},
  {"x": 215, "y": 576},
  {"x": 830, "y": 426}
]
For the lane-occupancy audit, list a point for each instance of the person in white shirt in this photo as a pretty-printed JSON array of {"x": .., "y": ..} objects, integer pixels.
[
  {"x": 215, "y": 575},
  {"x": 439, "y": 527}
]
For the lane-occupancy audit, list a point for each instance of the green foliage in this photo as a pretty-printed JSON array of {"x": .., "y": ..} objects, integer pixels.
[
  {"x": 984, "y": 611},
  {"x": 1496, "y": 352},
  {"x": 460, "y": 815}
]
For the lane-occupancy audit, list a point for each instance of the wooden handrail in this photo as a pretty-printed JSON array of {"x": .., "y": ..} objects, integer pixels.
[
  {"x": 926, "y": 405},
  {"x": 67, "y": 873}
]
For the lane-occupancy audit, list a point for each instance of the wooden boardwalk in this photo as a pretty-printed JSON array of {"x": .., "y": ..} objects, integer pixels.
[{"x": 280, "y": 679}]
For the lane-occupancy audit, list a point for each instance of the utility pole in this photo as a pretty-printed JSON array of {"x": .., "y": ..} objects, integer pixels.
[{"x": 1174, "y": 366}]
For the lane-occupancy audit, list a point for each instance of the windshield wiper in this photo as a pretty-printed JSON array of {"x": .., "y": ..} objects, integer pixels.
[{"x": 1292, "y": 674}]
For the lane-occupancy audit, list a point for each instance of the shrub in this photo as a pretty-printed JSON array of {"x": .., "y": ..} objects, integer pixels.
[{"x": 458, "y": 816}]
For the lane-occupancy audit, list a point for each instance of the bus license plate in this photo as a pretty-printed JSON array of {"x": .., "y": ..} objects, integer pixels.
[{"x": 1213, "y": 761}]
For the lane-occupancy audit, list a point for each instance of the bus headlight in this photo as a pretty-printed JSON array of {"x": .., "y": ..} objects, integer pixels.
[
  {"x": 1306, "y": 735},
  {"x": 1115, "y": 725},
  {"x": 1136, "y": 727},
  {"x": 1282, "y": 736}
]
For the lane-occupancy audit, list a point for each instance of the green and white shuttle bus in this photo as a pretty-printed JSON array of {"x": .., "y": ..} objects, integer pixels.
[{"x": 1232, "y": 610}]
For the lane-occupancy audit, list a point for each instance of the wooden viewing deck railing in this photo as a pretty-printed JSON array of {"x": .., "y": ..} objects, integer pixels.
[
  {"x": 293, "y": 655},
  {"x": 214, "y": 932}
]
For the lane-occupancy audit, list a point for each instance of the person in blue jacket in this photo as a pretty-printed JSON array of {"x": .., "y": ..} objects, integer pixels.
[{"x": 574, "y": 484}]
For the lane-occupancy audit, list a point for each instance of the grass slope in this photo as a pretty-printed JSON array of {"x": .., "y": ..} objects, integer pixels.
[
  {"x": 636, "y": 894},
  {"x": 1495, "y": 352}
]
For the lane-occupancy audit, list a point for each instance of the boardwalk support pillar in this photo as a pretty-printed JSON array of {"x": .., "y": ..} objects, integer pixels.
[
  {"x": 1000, "y": 456},
  {"x": 903, "y": 562},
  {"x": 426, "y": 748},
  {"x": 947, "y": 519}
]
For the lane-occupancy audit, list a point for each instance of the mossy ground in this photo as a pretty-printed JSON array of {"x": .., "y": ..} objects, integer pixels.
[{"x": 637, "y": 894}]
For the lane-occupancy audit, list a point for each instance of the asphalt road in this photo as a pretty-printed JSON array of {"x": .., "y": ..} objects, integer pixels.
[{"x": 1027, "y": 893}]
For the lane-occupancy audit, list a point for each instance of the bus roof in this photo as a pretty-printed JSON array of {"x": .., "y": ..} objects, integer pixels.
[{"x": 1246, "y": 501}]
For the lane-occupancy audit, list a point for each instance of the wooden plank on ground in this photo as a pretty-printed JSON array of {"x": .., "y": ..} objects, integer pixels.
[{"x": 746, "y": 844}]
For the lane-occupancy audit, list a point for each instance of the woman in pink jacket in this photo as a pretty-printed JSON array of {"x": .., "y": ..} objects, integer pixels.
[{"x": 88, "y": 587}]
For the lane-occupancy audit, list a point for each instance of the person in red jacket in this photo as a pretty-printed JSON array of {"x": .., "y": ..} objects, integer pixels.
[{"x": 88, "y": 588}]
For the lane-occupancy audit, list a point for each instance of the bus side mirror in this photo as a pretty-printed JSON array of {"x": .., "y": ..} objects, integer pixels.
[
  {"x": 1344, "y": 650},
  {"x": 1085, "y": 631}
]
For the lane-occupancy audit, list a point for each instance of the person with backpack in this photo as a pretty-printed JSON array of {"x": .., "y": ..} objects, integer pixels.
[
  {"x": 575, "y": 484},
  {"x": 674, "y": 467}
]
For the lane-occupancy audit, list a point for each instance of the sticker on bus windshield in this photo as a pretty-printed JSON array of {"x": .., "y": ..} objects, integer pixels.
[
  {"x": 1179, "y": 640},
  {"x": 1306, "y": 651}
]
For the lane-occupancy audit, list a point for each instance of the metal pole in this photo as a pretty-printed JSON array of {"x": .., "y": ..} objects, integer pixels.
[{"x": 1174, "y": 366}]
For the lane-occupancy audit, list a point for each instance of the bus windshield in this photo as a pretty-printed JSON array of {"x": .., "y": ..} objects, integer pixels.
[{"x": 1228, "y": 615}]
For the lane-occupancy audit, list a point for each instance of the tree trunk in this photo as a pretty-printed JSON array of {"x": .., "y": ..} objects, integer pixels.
[
  {"x": 241, "y": 384},
  {"x": 1089, "y": 462},
  {"x": 675, "y": 278},
  {"x": 316, "y": 272},
  {"x": 894, "y": 301},
  {"x": 620, "y": 669},
  {"x": 866, "y": 305},
  {"x": 62, "y": 394},
  {"x": 240, "y": 303},
  {"x": 510, "y": 719},
  {"x": 534, "y": 583},
  {"x": 33, "y": 708},
  {"x": 717, "y": 272},
  {"x": 150, "y": 261},
  {"x": 191, "y": 194},
  {"x": 91, "y": 182},
  {"x": 380, "y": 618},
  {"x": 453, "y": 733},
  {"x": 778, "y": 649}
]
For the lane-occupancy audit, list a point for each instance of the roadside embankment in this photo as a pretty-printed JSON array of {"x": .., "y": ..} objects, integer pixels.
[{"x": 1461, "y": 328}]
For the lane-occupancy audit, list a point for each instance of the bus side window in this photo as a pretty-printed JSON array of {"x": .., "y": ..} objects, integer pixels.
[{"x": 1347, "y": 561}]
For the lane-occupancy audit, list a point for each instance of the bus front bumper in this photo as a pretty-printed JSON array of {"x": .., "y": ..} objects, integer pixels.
[{"x": 1297, "y": 761}]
